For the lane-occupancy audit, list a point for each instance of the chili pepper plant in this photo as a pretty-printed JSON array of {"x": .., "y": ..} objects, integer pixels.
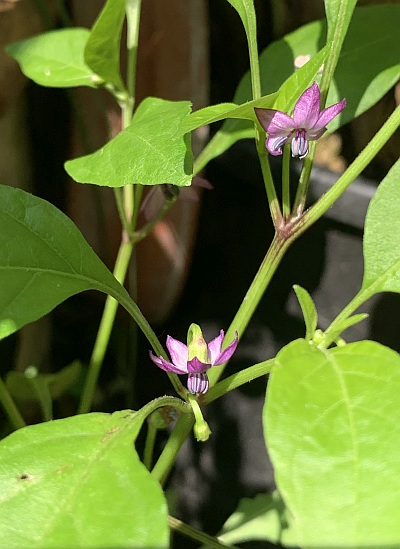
[{"x": 332, "y": 410}]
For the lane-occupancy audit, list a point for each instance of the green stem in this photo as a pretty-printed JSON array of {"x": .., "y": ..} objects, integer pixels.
[
  {"x": 104, "y": 332},
  {"x": 302, "y": 189},
  {"x": 238, "y": 379},
  {"x": 286, "y": 182},
  {"x": 133, "y": 8},
  {"x": 119, "y": 199},
  {"x": 267, "y": 177},
  {"x": 167, "y": 458},
  {"x": 271, "y": 261},
  {"x": 336, "y": 41},
  {"x": 198, "y": 535},
  {"x": 149, "y": 445},
  {"x": 336, "y": 36},
  {"x": 42, "y": 392},
  {"x": 362, "y": 296},
  {"x": 13, "y": 414}
]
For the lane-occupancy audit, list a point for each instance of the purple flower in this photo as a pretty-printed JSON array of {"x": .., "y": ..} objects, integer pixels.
[
  {"x": 308, "y": 123},
  {"x": 195, "y": 358}
]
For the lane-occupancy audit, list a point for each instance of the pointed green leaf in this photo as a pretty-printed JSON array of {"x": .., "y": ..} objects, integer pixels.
[
  {"x": 381, "y": 236},
  {"x": 308, "y": 309},
  {"x": 149, "y": 152},
  {"x": 332, "y": 428},
  {"x": 225, "y": 110},
  {"x": 78, "y": 482},
  {"x": 263, "y": 518},
  {"x": 346, "y": 323},
  {"x": 103, "y": 47},
  {"x": 44, "y": 259},
  {"x": 55, "y": 59}
]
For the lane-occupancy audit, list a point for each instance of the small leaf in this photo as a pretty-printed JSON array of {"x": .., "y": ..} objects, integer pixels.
[
  {"x": 345, "y": 324},
  {"x": 78, "y": 482},
  {"x": 261, "y": 518},
  {"x": 149, "y": 152},
  {"x": 308, "y": 309},
  {"x": 103, "y": 47},
  {"x": 381, "y": 236},
  {"x": 44, "y": 259},
  {"x": 55, "y": 59},
  {"x": 332, "y": 428}
]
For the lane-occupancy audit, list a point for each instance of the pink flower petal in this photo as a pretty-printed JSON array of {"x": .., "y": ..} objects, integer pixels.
[
  {"x": 214, "y": 347},
  {"x": 313, "y": 134},
  {"x": 179, "y": 353},
  {"x": 226, "y": 354},
  {"x": 195, "y": 366},
  {"x": 275, "y": 123},
  {"x": 164, "y": 364},
  {"x": 329, "y": 114},
  {"x": 307, "y": 108}
]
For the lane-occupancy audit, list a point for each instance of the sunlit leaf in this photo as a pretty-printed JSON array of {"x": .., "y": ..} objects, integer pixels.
[
  {"x": 381, "y": 236},
  {"x": 78, "y": 482},
  {"x": 261, "y": 518},
  {"x": 149, "y": 152},
  {"x": 103, "y": 47},
  {"x": 44, "y": 259},
  {"x": 332, "y": 427},
  {"x": 55, "y": 59}
]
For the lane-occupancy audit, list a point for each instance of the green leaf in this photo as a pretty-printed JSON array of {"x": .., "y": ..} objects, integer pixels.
[
  {"x": 149, "y": 152},
  {"x": 55, "y": 59},
  {"x": 338, "y": 15},
  {"x": 44, "y": 259},
  {"x": 103, "y": 47},
  {"x": 20, "y": 386},
  {"x": 370, "y": 45},
  {"x": 332, "y": 428},
  {"x": 345, "y": 324},
  {"x": 78, "y": 482},
  {"x": 381, "y": 236},
  {"x": 308, "y": 309},
  {"x": 261, "y": 518},
  {"x": 225, "y": 110}
]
